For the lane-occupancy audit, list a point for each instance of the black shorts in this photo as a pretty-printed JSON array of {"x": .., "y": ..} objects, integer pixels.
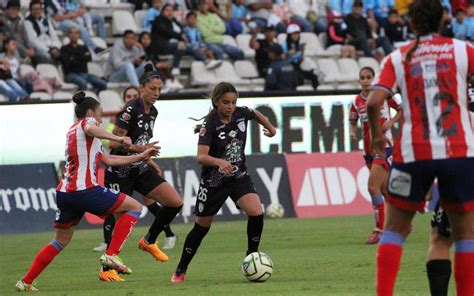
[
  {"x": 440, "y": 221},
  {"x": 210, "y": 199},
  {"x": 143, "y": 183}
]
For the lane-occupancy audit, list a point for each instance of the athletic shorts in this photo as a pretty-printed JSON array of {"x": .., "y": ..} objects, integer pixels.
[
  {"x": 408, "y": 184},
  {"x": 440, "y": 221},
  {"x": 97, "y": 200},
  {"x": 386, "y": 163},
  {"x": 210, "y": 199},
  {"x": 143, "y": 183}
]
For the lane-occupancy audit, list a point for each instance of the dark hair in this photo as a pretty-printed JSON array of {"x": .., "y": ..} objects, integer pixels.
[
  {"x": 129, "y": 88},
  {"x": 6, "y": 41},
  {"x": 83, "y": 104},
  {"x": 219, "y": 90},
  {"x": 425, "y": 18},
  {"x": 191, "y": 13},
  {"x": 164, "y": 7},
  {"x": 370, "y": 69},
  {"x": 149, "y": 74},
  {"x": 128, "y": 32},
  {"x": 393, "y": 11},
  {"x": 143, "y": 34},
  {"x": 35, "y": 2}
]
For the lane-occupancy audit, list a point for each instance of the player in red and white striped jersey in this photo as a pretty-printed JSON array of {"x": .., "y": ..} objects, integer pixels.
[
  {"x": 378, "y": 166},
  {"x": 79, "y": 192},
  {"x": 436, "y": 141}
]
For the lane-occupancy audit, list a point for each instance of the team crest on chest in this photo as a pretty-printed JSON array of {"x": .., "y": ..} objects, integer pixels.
[
  {"x": 241, "y": 126},
  {"x": 232, "y": 134}
]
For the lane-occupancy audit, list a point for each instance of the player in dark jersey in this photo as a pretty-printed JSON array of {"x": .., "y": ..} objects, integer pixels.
[
  {"x": 136, "y": 121},
  {"x": 222, "y": 138}
]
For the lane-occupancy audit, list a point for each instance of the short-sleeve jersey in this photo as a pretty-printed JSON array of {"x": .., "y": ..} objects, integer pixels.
[
  {"x": 139, "y": 126},
  {"x": 433, "y": 84},
  {"x": 83, "y": 156},
  {"x": 359, "y": 112},
  {"x": 225, "y": 141}
]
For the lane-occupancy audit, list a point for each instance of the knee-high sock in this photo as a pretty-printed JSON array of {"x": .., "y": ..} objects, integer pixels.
[
  {"x": 464, "y": 267},
  {"x": 108, "y": 226},
  {"x": 254, "y": 233},
  {"x": 42, "y": 259},
  {"x": 439, "y": 272},
  {"x": 389, "y": 254},
  {"x": 164, "y": 217},
  {"x": 379, "y": 210},
  {"x": 122, "y": 231},
  {"x": 191, "y": 244},
  {"x": 154, "y": 208}
]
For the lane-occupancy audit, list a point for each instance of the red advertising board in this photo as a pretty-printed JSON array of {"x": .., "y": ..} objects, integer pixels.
[{"x": 329, "y": 184}]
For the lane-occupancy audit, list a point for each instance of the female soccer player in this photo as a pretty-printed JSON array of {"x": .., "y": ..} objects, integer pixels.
[
  {"x": 129, "y": 94},
  {"x": 78, "y": 192},
  {"x": 221, "y": 146},
  {"x": 378, "y": 167},
  {"x": 436, "y": 141},
  {"x": 137, "y": 120}
]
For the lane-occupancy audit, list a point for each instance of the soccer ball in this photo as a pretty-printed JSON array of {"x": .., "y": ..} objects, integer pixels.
[
  {"x": 257, "y": 267},
  {"x": 275, "y": 210}
]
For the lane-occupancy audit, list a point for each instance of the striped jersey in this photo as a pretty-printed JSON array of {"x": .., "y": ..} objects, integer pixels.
[
  {"x": 359, "y": 112},
  {"x": 436, "y": 123},
  {"x": 83, "y": 156}
]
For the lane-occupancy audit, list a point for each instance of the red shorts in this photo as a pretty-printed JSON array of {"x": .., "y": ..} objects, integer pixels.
[{"x": 386, "y": 163}]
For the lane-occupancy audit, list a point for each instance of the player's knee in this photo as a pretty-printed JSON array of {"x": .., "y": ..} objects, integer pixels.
[
  {"x": 204, "y": 221},
  {"x": 373, "y": 189},
  {"x": 254, "y": 211}
]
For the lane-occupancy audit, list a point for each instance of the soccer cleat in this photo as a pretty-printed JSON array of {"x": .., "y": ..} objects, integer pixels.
[
  {"x": 110, "y": 275},
  {"x": 178, "y": 277},
  {"x": 102, "y": 247},
  {"x": 114, "y": 262},
  {"x": 21, "y": 286},
  {"x": 170, "y": 242},
  {"x": 153, "y": 250},
  {"x": 374, "y": 237}
]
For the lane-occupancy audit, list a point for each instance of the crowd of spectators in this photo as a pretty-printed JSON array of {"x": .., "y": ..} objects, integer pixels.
[{"x": 198, "y": 28}]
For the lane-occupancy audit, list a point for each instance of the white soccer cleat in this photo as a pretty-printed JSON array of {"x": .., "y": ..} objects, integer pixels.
[
  {"x": 101, "y": 248},
  {"x": 21, "y": 286},
  {"x": 170, "y": 242}
]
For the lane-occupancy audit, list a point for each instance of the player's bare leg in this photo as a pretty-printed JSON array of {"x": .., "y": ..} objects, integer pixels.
[{"x": 377, "y": 178}]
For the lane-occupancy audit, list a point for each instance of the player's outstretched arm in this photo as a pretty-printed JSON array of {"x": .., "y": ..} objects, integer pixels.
[
  {"x": 118, "y": 160},
  {"x": 268, "y": 129},
  {"x": 129, "y": 148},
  {"x": 93, "y": 130},
  {"x": 205, "y": 159},
  {"x": 374, "y": 103}
]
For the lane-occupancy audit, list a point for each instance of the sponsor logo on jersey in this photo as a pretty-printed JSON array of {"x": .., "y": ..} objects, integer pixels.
[
  {"x": 241, "y": 126},
  {"x": 399, "y": 183},
  {"x": 232, "y": 134},
  {"x": 126, "y": 116},
  {"x": 200, "y": 207}
]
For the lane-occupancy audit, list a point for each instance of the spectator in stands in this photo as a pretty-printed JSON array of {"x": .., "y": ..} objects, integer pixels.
[
  {"x": 469, "y": 20},
  {"x": 395, "y": 29},
  {"x": 191, "y": 4},
  {"x": 152, "y": 13},
  {"x": 212, "y": 29},
  {"x": 9, "y": 86},
  {"x": 293, "y": 48},
  {"x": 86, "y": 19},
  {"x": 280, "y": 74},
  {"x": 379, "y": 10},
  {"x": 338, "y": 41},
  {"x": 261, "y": 14},
  {"x": 167, "y": 37},
  {"x": 139, "y": 3},
  {"x": 343, "y": 7},
  {"x": 125, "y": 62},
  {"x": 361, "y": 33},
  {"x": 74, "y": 59},
  {"x": 11, "y": 59},
  {"x": 446, "y": 29},
  {"x": 162, "y": 66},
  {"x": 261, "y": 47},
  {"x": 64, "y": 20},
  {"x": 40, "y": 34},
  {"x": 223, "y": 8},
  {"x": 459, "y": 24},
  {"x": 13, "y": 27},
  {"x": 194, "y": 38},
  {"x": 241, "y": 13},
  {"x": 301, "y": 10}
]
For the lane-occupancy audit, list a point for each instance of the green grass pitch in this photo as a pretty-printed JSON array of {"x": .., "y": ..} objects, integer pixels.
[{"x": 324, "y": 256}]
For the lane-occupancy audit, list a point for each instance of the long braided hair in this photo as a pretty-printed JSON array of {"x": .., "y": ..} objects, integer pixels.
[{"x": 425, "y": 18}]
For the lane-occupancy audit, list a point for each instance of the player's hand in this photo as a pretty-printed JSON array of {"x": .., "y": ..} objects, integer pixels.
[
  {"x": 269, "y": 132},
  {"x": 126, "y": 141},
  {"x": 378, "y": 145},
  {"x": 152, "y": 145},
  {"x": 225, "y": 167},
  {"x": 386, "y": 126},
  {"x": 149, "y": 152}
]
